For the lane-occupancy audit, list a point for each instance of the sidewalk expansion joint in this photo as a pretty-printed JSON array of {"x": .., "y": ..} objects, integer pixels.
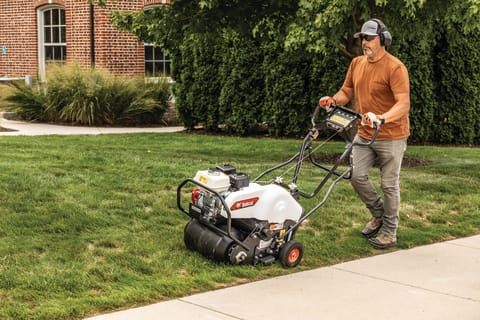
[{"x": 210, "y": 309}]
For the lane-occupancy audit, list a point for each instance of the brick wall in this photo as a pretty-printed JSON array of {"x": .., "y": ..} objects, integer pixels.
[
  {"x": 119, "y": 52},
  {"x": 18, "y": 33},
  {"x": 77, "y": 16}
]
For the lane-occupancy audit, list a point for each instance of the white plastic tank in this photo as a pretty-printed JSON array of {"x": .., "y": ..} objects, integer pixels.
[{"x": 270, "y": 203}]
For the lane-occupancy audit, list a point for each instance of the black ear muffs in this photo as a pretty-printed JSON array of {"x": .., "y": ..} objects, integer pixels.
[{"x": 382, "y": 31}]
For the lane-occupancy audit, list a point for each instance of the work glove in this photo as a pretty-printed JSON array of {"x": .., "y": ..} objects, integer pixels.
[
  {"x": 327, "y": 103},
  {"x": 369, "y": 119}
]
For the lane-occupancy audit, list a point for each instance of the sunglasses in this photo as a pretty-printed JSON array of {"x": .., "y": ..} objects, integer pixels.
[{"x": 367, "y": 37}]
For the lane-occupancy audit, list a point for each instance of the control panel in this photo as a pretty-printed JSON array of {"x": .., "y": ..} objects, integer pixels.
[{"x": 341, "y": 119}]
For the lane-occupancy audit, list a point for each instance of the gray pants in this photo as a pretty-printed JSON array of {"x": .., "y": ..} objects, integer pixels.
[{"x": 388, "y": 156}]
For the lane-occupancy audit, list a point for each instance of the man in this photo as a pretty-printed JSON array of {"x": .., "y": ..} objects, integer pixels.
[{"x": 379, "y": 82}]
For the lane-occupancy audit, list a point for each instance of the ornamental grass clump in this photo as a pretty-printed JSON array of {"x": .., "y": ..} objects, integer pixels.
[{"x": 91, "y": 97}]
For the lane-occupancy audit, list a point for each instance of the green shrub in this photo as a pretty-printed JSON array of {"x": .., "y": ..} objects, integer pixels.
[
  {"x": 197, "y": 82},
  {"x": 286, "y": 108},
  {"x": 183, "y": 73},
  {"x": 205, "y": 87},
  {"x": 28, "y": 103},
  {"x": 241, "y": 95},
  {"x": 458, "y": 89},
  {"x": 91, "y": 97}
]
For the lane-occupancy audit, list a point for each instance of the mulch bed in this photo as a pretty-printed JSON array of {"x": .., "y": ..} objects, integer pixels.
[{"x": 327, "y": 158}]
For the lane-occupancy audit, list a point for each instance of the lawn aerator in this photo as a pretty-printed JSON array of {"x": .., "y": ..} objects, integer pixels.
[{"x": 238, "y": 221}]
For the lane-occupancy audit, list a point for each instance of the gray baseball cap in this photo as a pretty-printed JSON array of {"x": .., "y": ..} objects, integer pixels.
[{"x": 369, "y": 28}]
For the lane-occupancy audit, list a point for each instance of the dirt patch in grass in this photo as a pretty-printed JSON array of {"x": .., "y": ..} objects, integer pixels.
[
  {"x": 415, "y": 162},
  {"x": 407, "y": 161}
]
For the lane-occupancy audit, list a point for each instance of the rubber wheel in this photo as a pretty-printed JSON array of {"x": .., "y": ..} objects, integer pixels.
[{"x": 291, "y": 254}]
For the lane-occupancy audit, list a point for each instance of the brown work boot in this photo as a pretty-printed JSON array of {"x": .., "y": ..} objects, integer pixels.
[
  {"x": 383, "y": 241},
  {"x": 372, "y": 227}
]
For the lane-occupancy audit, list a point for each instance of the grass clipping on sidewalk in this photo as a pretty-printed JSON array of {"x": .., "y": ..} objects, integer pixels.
[{"x": 89, "y": 224}]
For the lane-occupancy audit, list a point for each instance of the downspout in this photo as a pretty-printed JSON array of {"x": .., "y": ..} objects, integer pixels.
[{"x": 92, "y": 36}]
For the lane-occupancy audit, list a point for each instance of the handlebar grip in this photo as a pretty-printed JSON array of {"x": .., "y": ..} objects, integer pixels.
[{"x": 374, "y": 137}]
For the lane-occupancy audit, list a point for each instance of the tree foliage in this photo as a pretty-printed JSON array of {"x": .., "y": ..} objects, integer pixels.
[{"x": 240, "y": 64}]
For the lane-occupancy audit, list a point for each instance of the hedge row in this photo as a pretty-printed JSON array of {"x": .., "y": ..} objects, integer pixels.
[{"x": 241, "y": 85}]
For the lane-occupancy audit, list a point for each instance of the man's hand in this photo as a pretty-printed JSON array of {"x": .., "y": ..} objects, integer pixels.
[
  {"x": 327, "y": 103},
  {"x": 369, "y": 119}
]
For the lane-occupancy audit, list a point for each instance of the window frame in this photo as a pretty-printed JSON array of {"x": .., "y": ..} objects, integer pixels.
[
  {"x": 42, "y": 45},
  {"x": 165, "y": 59}
]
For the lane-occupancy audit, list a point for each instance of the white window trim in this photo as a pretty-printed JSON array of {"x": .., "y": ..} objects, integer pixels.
[{"x": 41, "y": 40}]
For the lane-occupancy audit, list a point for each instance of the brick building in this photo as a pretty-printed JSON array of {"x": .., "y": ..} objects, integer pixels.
[{"x": 34, "y": 33}]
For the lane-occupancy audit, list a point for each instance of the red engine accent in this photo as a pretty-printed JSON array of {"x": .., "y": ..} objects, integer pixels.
[
  {"x": 195, "y": 195},
  {"x": 245, "y": 203}
]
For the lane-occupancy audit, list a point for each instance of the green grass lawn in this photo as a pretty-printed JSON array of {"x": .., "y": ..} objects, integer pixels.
[{"x": 89, "y": 224}]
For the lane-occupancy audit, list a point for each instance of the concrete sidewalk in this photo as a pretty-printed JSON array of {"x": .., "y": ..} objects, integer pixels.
[
  {"x": 433, "y": 282},
  {"x": 21, "y": 128}
]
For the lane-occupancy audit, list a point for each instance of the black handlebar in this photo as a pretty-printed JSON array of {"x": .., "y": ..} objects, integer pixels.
[{"x": 315, "y": 114}]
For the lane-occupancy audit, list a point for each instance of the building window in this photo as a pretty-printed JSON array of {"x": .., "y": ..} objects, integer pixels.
[
  {"x": 54, "y": 39},
  {"x": 52, "y": 46},
  {"x": 157, "y": 64}
]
